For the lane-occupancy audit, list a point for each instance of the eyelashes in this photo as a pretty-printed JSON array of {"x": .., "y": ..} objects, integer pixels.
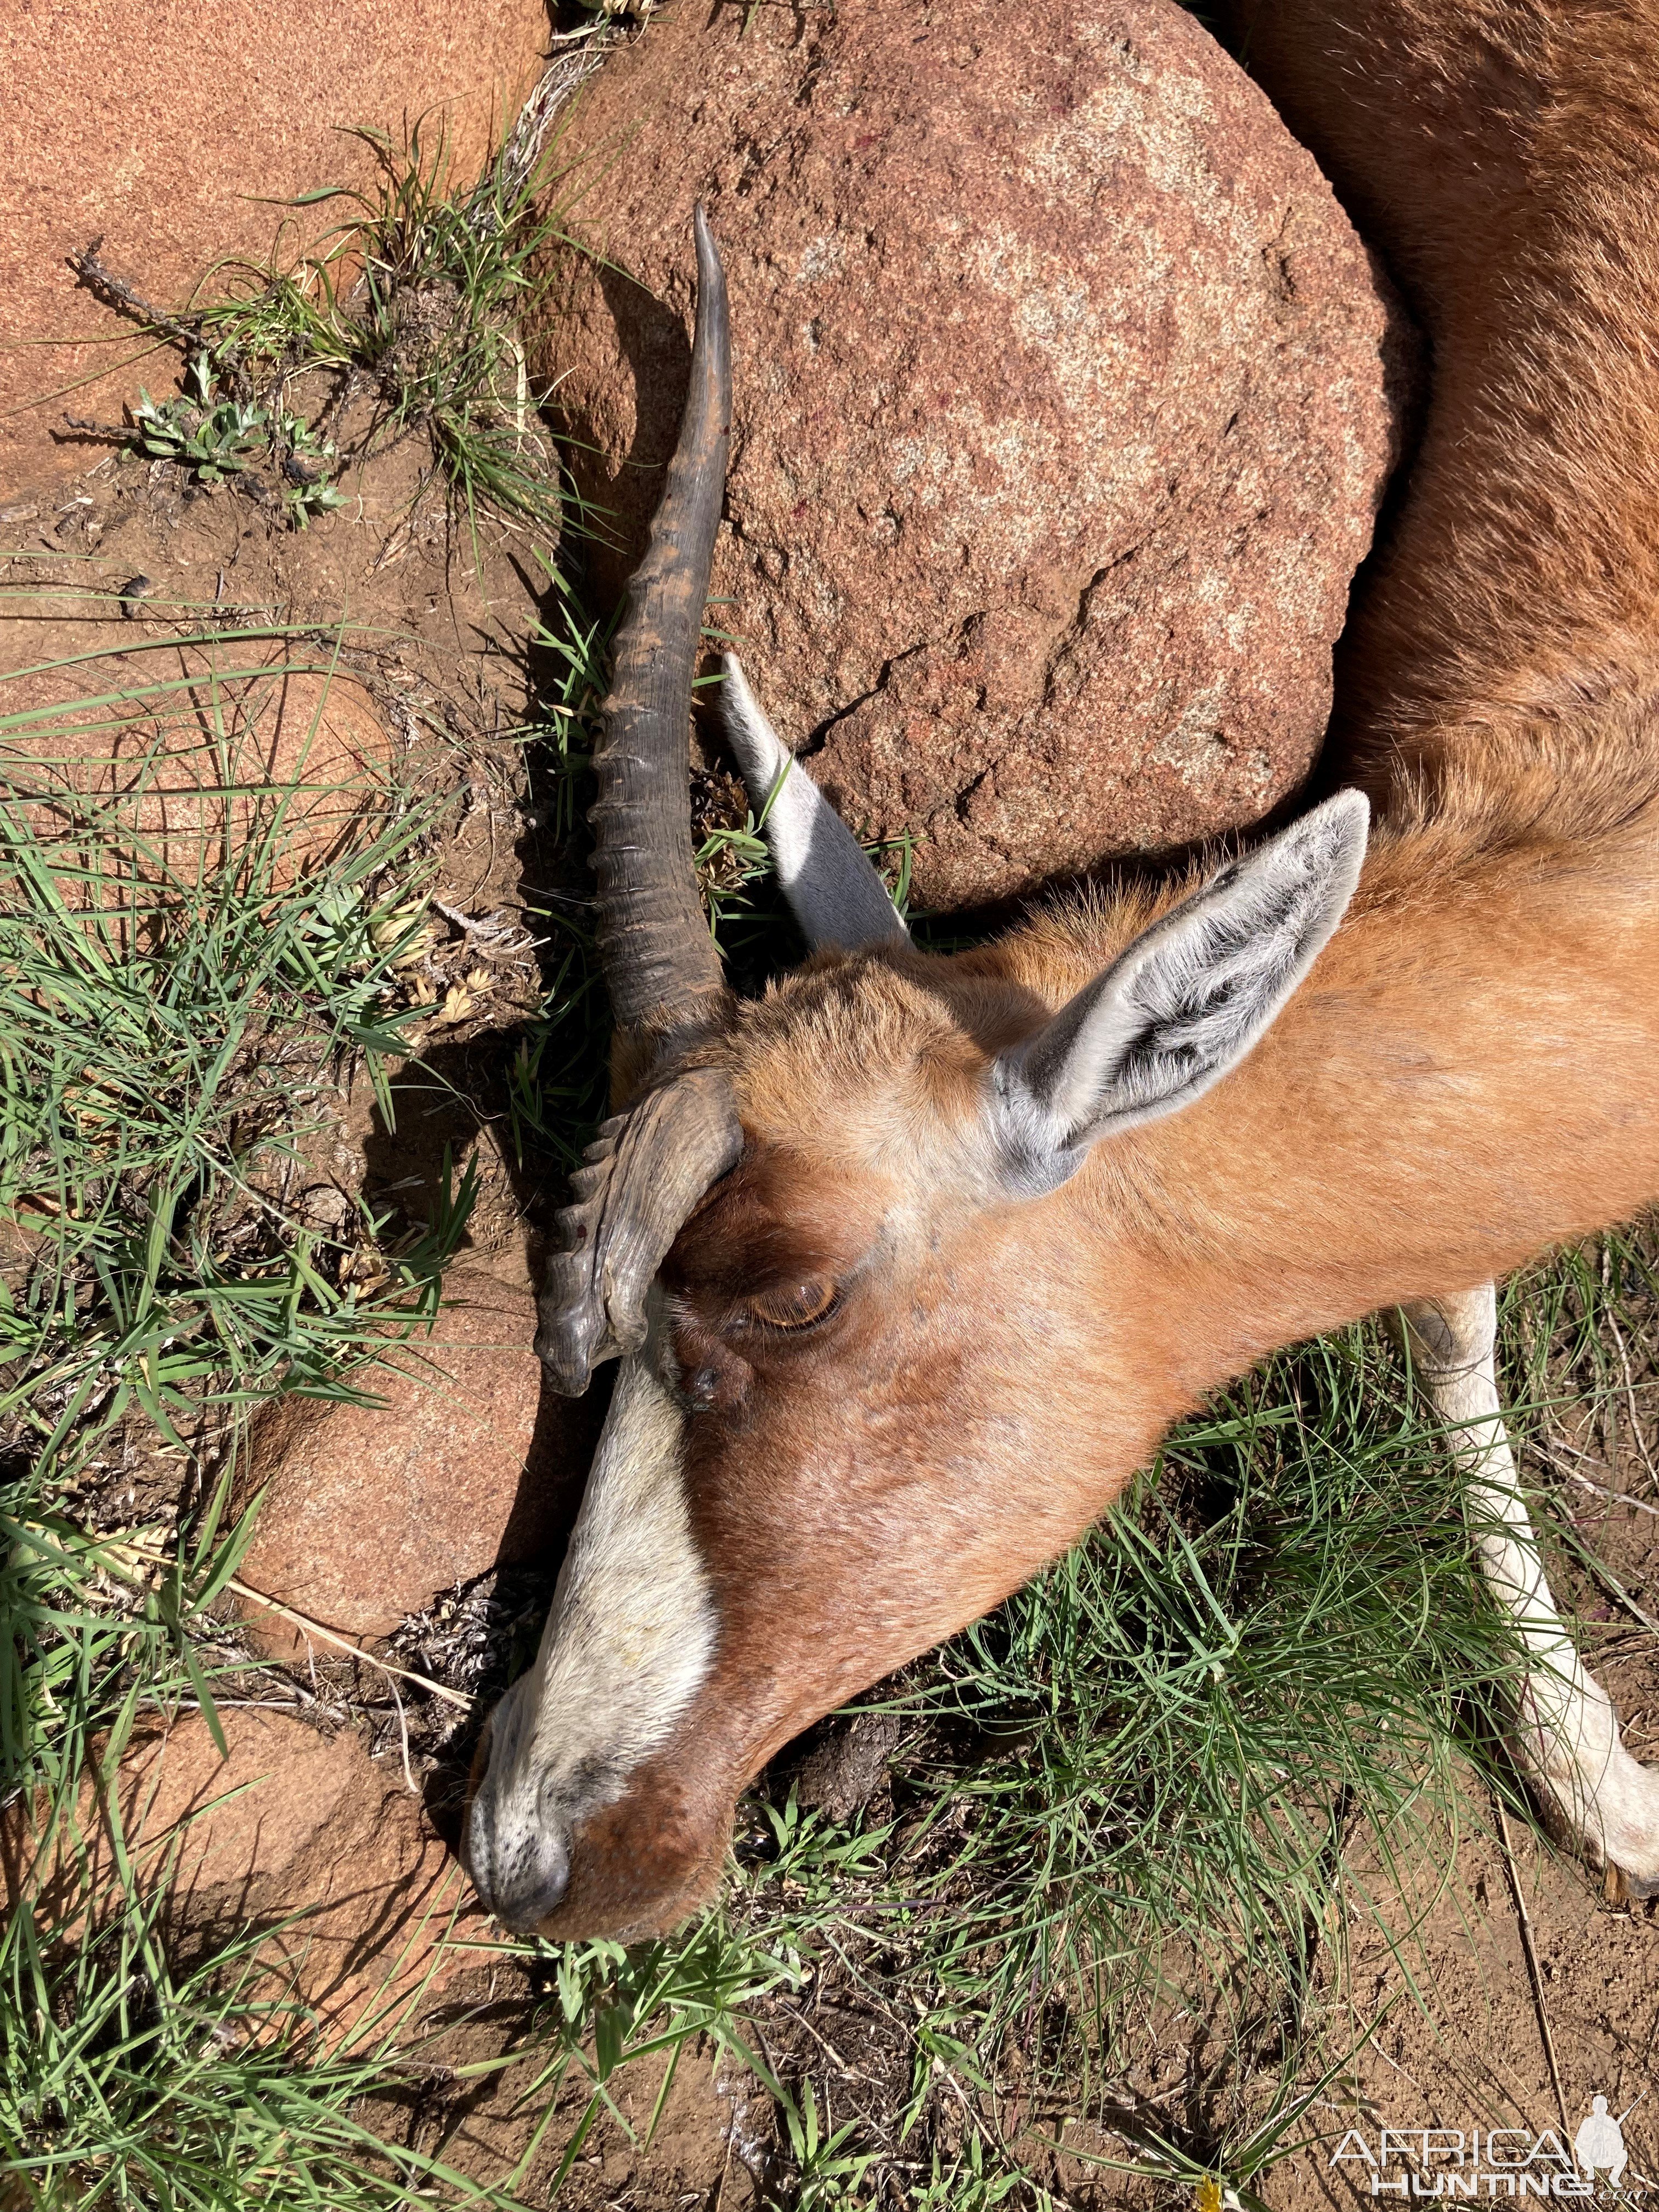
[{"x": 793, "y": 1305}]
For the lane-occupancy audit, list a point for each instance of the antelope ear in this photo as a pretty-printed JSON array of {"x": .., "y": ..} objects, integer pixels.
[
  {"x": 1183, "y": 1004},
  {"x": 833, "y": 891}
]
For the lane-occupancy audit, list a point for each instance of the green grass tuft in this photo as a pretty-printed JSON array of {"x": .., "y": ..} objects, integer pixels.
[
  {"x": 192, "y": 955},
  {"x": 130, "y": 2085},
  {"x": 414, "y": 300}
]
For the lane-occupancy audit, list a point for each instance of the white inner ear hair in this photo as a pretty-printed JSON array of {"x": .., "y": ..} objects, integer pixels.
[
  {"x": 1207, "y": 981},
  {"x": 1182, "y": 1004},
  {"x": 1568, "y": 1736}
]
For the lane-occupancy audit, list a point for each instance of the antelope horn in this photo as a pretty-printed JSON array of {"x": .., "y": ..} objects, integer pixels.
[
  {"x": 660, "y": 964},
  {"x": 652, "y": 1164},
  {"x": 639, "y": 1180}
]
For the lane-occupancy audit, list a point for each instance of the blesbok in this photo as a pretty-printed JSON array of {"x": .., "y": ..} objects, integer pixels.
[{"x": 910, "y": 1263}]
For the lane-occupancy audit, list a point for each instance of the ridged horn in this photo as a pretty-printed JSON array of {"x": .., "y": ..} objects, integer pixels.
[
  {"x": 652, "y": 1164},
  {"x": 639, "y": 1180},
  {"x": 660, "y": 964}
]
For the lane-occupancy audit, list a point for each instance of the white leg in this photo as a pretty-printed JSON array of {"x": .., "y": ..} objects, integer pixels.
[{"x": 1567, "y": 1737}]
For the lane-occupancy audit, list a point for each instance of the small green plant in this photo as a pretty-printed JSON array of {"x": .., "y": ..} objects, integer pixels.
[
  {"x": 207, "y": 430},
  {"x": 130, "y": 2085},
  {"x": 827, "y": 2173},
  {"x": 309, "y": 461},
  {"x": 413, "y": 303},
  {"x": 213, "y": 437},
  {"x": 966, "y": 2185},
  {"x": 143, "y": 1166}
]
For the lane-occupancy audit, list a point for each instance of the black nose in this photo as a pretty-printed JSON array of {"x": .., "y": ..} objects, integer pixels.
[
  {"x": 478, "y": 1843},
  {"x": 522, "y": 1875},
  {"x": 526, "y": 1905}
]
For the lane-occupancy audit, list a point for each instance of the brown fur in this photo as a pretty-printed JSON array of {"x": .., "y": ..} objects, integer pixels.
[{"x": 1466, "y": 1076}]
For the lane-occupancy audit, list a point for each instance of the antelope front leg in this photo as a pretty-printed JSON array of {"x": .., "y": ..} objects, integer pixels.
[{"x": 1568, "y": 1734}]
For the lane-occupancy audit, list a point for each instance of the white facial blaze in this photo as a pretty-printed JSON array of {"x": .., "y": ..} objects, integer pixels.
[
  {"x": 632, "y": 1628},
  {"x": 627, "y": 1644}
]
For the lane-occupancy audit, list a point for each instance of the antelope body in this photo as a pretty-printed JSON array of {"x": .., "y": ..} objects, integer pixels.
[{"x": 911, "y": 1262}]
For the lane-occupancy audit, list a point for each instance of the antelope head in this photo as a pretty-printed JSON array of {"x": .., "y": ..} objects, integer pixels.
[{"x": 855, "y": 1245}]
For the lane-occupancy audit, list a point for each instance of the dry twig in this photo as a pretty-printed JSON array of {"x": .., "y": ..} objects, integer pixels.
[
  {"x": 1612, "y": 1497},
  {"x": 117, "y": 293},
  {"x": 1532, "y": 1971},
  {"x": 310, "y": 1627},
  {"x": 343, "y": 1644},
  {"x": 1637, "y": 1437}
]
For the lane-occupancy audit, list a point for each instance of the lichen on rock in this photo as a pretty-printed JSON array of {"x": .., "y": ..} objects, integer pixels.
[{"x": 1064, "y": 399}]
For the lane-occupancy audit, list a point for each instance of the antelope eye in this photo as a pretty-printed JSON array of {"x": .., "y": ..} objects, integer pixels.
[{"x": 793, "y": 1305}]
